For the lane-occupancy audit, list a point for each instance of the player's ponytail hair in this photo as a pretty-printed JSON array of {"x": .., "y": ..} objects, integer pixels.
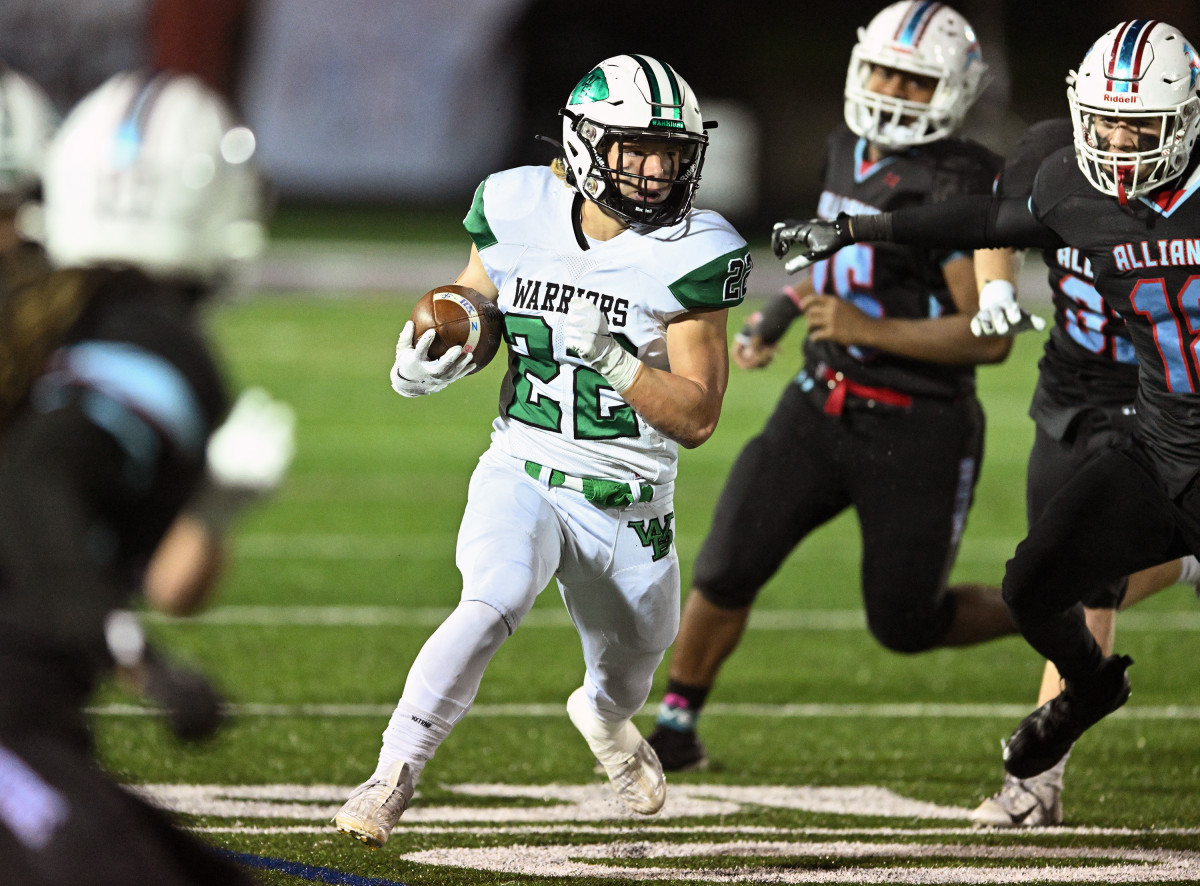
[{"x": 34, "y": 319}]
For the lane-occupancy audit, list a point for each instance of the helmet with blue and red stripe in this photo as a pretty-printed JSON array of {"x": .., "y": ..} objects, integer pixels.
[
  {"x": 1144, "y": 77},
  {"x": 917, "y": 37}
]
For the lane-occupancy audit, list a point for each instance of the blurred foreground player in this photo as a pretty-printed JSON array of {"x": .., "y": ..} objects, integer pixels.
[
  {"x": 615, "y": 294},
  {"x": 106, "y": 432}
]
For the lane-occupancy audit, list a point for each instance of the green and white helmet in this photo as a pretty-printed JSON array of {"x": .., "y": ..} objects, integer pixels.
[
  {"x": 623, "y": 99},
  {"x": 153, "y": 172},
  {"x": 27, "y": 123}
]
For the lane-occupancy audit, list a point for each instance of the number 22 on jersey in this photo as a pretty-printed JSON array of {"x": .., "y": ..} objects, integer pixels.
[{"x": 537, "y": 390}]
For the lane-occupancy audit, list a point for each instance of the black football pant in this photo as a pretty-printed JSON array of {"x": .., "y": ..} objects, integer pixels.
[
  {"x": 1111, "y": 519},
  {"x": 1053, "y": 462},
  {"x": 910, "y": 475}
]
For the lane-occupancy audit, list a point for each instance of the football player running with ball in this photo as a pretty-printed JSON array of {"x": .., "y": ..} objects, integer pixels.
[
  {"x": 883, "y": 417},
  {"x": 615, "y": 294},
  {"x": 1124, "y": 196}
]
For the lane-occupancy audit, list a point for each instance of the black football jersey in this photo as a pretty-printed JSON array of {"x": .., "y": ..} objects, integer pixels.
[
  {"x": 886, "y": 279},
  {"x": 1088, "y": 359},
  {"x": 1146, "y": 261}
]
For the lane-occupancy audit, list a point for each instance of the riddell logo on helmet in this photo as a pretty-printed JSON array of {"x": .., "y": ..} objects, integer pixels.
[{"x": 1120, "y": 99}]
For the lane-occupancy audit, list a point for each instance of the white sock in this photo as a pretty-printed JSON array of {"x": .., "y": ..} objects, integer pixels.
[
  {"x": 612, "y": 742},
  {"x": 442, "y": 684}
]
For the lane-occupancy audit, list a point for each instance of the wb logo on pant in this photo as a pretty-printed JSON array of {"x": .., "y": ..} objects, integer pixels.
[{"x": 655, "y": 535}]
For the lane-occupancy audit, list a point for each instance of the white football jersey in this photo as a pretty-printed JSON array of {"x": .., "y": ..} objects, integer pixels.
[{"x": 554, "y": 409}]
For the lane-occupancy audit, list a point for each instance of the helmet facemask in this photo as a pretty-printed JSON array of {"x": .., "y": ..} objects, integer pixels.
[
  {"x": 1161, "y": 151},
  {"x": 617, "y": 185}
]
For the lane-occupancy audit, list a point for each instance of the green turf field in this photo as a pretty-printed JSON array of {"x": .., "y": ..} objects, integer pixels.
[{"x": 833, "y": 760}]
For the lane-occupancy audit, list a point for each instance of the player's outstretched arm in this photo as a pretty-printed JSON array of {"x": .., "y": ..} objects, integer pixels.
[{"x": 961, "y": 223}]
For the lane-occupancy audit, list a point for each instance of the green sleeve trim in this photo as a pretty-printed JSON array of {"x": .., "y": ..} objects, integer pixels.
[
  {"x": 476, "y": 222},
  {"x": 721, "y": 283}
]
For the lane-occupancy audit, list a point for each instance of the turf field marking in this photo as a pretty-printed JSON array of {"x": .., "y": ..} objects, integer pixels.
[
  {"x": 603, "y": 860},
  {"x": 560, "y": 803},
  {"x": 605, "y": 840},
  {"x": 915, "y": 711},
  {"x": 430, "y": 616}
]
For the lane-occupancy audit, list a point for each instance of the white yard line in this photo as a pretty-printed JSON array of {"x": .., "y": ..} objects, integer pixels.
[
  {"x": 760, "y": 619},
  {"x": 915, "y": 711}
]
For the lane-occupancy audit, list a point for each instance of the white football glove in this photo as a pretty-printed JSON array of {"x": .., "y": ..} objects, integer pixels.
[
  {"x": 247, "y": 456},
  {"x": 1000, "y": 315},
  {"x": 414, "y": 374},
  {"x": 586, "y": 336}
]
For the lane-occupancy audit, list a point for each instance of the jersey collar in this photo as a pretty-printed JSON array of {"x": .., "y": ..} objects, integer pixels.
[
  {"x": 864, "y": 168},
  {"x": 1167, "y": 199}
]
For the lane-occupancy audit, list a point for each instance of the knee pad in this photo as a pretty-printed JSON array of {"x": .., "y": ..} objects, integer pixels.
[{"x": 910, "y": 631}]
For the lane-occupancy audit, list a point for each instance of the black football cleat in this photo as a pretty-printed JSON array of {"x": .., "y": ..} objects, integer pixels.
[
  {"x": 678, "y": 751},
  {"x": 1045, "y": 736}
]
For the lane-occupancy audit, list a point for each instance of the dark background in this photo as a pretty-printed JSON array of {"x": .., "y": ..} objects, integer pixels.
[{"x": 783, "y": 61}]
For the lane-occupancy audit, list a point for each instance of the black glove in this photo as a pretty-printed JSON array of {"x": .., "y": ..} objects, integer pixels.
[{"x": 813, "y": 240}]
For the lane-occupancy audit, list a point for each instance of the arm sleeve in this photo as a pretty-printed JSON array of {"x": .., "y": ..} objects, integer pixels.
[
  {"x": 776, "y": 316},
  {"x": 965, "y": 223}
]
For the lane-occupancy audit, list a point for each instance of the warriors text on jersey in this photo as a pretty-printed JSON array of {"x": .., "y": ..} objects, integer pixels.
[
  {"x": 885, "y": 279},
  {"x": 1089, "y": 359},
  {"x": 554, "y": 409},
  {"x": 1146, "y": 260}
]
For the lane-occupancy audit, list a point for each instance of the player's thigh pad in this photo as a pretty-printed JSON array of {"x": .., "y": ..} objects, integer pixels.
[
  {"x": 1052, "y": 462},
  {"x": 785, "y": 483},
  {"x": 1110, "y": 520},
  {"x": 912, "y": 499},
  {"x": 620, "y": 582},
  {"x": 510, "y": 540}
]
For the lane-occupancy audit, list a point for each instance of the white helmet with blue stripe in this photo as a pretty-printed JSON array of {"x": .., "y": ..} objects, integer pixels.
[
  {"x": 153, "y": 172},
  {"x": 625, "y": 99},
  {"x": 924, "y": 38},
  {"x": 1144, "y": 77}
]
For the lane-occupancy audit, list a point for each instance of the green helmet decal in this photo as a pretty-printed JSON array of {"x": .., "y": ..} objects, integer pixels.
[{"x": 592, "y": 88}]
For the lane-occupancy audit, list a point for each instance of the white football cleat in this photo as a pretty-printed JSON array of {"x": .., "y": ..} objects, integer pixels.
[
  {"x": 1022, "y": 803},
  {"x": 375, "y": 806},
  {"x": 628, "y": 760}
]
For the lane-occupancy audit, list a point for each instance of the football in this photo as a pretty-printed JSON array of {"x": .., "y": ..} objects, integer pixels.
[{"x": 461, "y": 316}]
